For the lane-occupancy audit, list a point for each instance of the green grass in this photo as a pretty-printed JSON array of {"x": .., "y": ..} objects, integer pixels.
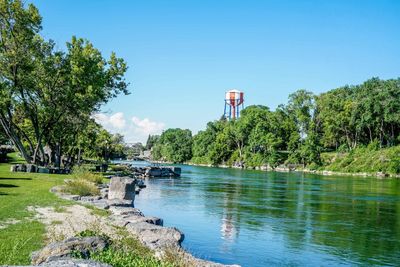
[
  {"x": 364, "y": 159},
  {"x": 125, "y": 251},
  {"x": 17, "y": 192},
  {"x": 97, "y": 211}
]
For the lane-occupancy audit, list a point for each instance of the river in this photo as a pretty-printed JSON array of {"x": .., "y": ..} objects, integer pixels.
[{"x": 256, "y": 218}]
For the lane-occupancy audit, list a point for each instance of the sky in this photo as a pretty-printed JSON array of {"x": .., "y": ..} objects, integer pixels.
[{"x": 184, "y": 55}]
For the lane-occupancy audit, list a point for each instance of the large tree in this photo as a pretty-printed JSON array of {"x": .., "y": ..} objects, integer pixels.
[
  {"x": 174, "y": 145},
  {"x": 48, "y": 96}
]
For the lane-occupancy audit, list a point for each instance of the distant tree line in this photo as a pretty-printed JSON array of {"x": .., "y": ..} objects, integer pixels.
[
  {"x": 47, "y": 96},
  {"x": 298, "y": 132}
]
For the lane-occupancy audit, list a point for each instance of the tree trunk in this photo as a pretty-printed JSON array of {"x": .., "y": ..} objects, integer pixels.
[{"x": 14, "y": 138}]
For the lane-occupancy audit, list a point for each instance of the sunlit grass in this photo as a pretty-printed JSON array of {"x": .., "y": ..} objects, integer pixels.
[{"x": 18, "y": 191}]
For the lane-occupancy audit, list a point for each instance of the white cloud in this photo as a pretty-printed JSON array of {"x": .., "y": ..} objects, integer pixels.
[
  {"x": 115, "y": 121},
  {"x": 134, "y": 130},
  {"x": 147, "y": 126}
]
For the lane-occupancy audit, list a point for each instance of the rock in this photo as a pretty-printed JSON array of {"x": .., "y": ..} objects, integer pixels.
[
  {"x": 382, "y": 174},
  {"x": 43, "y": 170},
  {"x": 125, "y": 211},
  {"x": 156, "y": 237},
  {"x": 122, "y": 188},
  {"x": 22, "y": 168},
  {"x": 101, "y": 204},
  {"x": 13, "y": 168},
  {"x": 103, "y": 186},
  {"x": 153, "y": 172},
  {"x": 104, "y": 192},
  {"x": 120, "y": 203},
  {"x": 57, "y": 250},
  {"x": 140, "y": 184},
  {"x": 30, "y": 168},
  {"x": 70, "y": 197},
  {"x": 90, "y": 198},
  {"x": 124, "y": 220},
  {"x": 69, "y": 262}
]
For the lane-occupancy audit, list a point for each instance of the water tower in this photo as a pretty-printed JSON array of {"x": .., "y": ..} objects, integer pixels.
[{"x": 233, "y": 104}]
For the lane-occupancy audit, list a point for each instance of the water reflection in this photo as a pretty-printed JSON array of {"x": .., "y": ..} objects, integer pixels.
[{"x": 281, "y": 218}]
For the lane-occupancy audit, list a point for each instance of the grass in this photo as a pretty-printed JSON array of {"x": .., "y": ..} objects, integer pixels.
[
  {"x": 17, "y": 192},
  {"x": 364, "y": 159},
  {"x": 125, "y": 251},
  {"x": 81, "y": 187},
  {"x": 97, "y": 211},
  {"x": 83, "y": 182}
]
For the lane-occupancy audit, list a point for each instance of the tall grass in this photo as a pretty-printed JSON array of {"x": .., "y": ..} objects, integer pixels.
[{"x": 83, "y": 182}]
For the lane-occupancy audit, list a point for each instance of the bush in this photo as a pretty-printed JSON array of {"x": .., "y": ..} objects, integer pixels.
[
  {"x": 126, "y": 259},
  {"x": 83, "y": 172},
  {"x": 81, "y": 187},
  {"x": 123, "y": 251},
  {"x": 119, "y": 168}
]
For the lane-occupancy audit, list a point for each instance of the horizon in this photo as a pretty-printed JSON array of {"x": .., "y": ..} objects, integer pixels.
[{"x": 265, "y": 49}]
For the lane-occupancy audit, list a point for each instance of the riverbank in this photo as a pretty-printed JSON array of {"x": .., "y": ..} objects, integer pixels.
[
  {"x": 304, "y": 170},
  {"x": 32, "y": 216},
  {"x": 361, "y": 162}
]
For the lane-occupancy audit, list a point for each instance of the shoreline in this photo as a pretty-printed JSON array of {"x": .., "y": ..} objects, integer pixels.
[
  {"x": 379, "y": 175},
  {"x": 149, "y": 230}
]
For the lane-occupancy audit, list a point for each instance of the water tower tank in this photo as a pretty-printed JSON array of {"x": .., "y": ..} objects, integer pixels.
[{"x": 233, "y": 101}]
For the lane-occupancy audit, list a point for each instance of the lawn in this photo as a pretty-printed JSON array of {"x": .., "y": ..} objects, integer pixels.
[{"x": 20, "y": 233}]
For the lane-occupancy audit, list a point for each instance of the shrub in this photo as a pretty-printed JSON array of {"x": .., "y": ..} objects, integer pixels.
[
  {"x": 123, "y": 251},
  {"x": 119, "y": 168},
  {"x": 83, "y": 172},
  {"x": 126, "y": 259},
  {"x": 81, "y": 187}
]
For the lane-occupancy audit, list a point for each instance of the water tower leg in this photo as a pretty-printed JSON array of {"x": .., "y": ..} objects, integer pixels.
[{"x": 225, "y": 110}]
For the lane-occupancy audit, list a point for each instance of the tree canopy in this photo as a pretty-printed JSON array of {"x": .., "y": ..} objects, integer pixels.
[
  {"x": 339, "y": 120},
  {"x": 47, "y": 96}
]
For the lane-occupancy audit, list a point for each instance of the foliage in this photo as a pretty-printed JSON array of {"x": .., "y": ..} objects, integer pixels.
[
  {"x": 47, "y": 96},
  {"x": 364, "y": 159},
  {"x": 123, "y": 251},
  {"x": 82, "y": 172},
  {"x": 81, "y": 187},
  {"x": 343, "y": 119},
  {"x": 174, "y": 145},
  {"x": 151, "y": 141}
]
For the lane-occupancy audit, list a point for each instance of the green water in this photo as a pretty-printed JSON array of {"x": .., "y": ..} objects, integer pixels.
[{"x": 256, "y": 218}]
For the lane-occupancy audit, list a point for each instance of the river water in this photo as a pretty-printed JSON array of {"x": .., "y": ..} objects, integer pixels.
[{"x": 256, "y": 218}]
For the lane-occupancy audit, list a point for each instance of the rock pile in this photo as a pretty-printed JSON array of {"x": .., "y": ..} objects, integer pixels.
[
  {"x": 34, "y": 168},
  {"x": 118, "y": 199}
]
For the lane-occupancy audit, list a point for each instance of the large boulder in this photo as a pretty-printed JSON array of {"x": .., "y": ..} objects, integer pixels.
[
  {"x": 123, "y": 211},
  {"x": 126, "y": 219},
  {"x": 156, "y": 237},
  {"x": 122, "y": 188},
  {"x": 115, "y": 202},
  {"x": 57, "y": 250}
]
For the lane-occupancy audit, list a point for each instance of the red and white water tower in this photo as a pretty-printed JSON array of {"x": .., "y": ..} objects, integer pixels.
[{"x": 233, "y": 104}]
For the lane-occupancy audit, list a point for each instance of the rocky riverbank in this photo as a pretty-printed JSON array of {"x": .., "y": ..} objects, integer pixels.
[
  {"x": 117, "y": 200},
  {"x": 298, "y": 168}
]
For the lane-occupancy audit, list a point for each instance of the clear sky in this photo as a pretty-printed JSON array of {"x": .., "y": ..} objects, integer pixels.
[{"x": 184, "y": 55}]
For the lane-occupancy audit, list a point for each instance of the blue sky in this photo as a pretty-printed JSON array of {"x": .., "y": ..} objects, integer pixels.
[{"x": 184, "y": 55}]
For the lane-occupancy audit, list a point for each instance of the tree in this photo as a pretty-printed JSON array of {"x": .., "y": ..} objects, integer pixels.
[
  {"x": 174, "y": 145},
  {"x": 48, "y": 96},
  {"x": 151, "y": 140}
]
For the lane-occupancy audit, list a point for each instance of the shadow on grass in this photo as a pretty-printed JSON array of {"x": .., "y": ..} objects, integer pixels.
[
  {"x": 2, "y": 178},
  {"x": 3, "y": 194},
  {"x": 8, "y": 185}
]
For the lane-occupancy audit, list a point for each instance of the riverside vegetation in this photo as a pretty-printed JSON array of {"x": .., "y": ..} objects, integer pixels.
[
  {"x": 22, "y": 232},
  {"x": 351, "y": 129},
  {"x": 48, "y": 96}
]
